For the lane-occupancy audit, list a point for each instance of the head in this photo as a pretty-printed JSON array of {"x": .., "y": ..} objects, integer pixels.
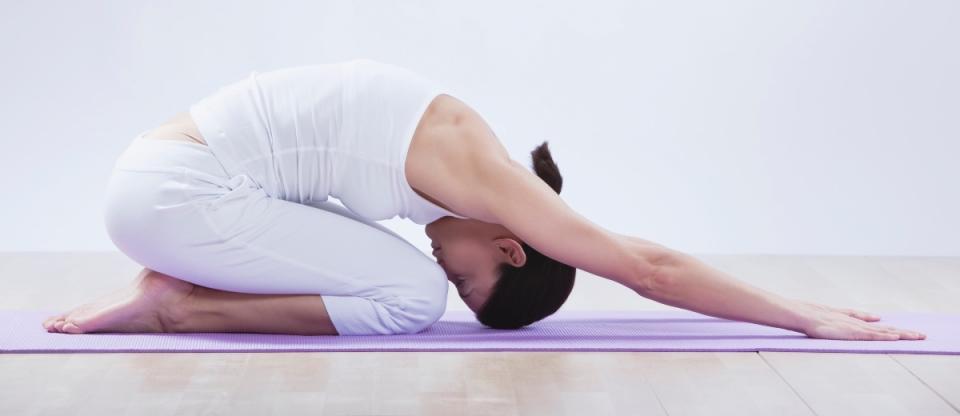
[{"x": 505, "y": 282}]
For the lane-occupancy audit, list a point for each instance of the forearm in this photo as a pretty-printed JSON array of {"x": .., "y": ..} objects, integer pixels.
[{"x": 686, "y": 282}]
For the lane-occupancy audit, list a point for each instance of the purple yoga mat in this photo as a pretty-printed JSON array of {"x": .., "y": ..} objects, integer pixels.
[{"x": 666, "y": 330}]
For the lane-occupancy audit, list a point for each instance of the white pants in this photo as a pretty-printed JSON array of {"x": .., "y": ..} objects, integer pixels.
[{"x": 171, "y": 207}]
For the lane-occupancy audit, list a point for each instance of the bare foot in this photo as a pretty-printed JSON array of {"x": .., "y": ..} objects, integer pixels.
[{"x": 147, "y": 305}]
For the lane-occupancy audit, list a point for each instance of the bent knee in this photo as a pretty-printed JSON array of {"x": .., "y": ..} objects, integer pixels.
[
  {"x": 420, "y": 313},
  {"x": 427, "y": 304},
  {"x": 394, "y": 316},
  {"x": 410, "y": 309}
]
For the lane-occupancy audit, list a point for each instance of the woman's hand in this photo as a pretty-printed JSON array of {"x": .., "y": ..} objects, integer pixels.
[{"x": 827, "y": 322}]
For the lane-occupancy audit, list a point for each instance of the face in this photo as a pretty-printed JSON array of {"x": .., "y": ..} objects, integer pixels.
[{"x": 470, "y": 251}]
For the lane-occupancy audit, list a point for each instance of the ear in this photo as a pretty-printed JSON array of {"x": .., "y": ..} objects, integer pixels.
[{"x": 512, "y": 250}]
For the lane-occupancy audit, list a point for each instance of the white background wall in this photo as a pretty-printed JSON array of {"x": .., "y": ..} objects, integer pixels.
[{"x": 805, "y": 127}]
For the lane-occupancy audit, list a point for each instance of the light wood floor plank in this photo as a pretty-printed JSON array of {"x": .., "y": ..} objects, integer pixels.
[
  {"x": 398, "y": 383},
  {"x": 706, "y": 383},
  {"x": 940, "y": 373},
  {"x": 856, "y": 384}
]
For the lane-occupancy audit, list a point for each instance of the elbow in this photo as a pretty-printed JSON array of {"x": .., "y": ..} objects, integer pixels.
[{"x": 652, "y": 270}]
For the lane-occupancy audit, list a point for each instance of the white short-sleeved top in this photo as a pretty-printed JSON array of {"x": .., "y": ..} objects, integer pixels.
[{"x": 311, "y": 132}]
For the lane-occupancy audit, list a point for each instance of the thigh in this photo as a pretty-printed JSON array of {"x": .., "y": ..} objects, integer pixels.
[{"x": 285, "y": 247}]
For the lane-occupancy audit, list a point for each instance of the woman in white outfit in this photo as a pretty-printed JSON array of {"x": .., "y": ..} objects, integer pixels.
[{"x": 226, "y": 207}]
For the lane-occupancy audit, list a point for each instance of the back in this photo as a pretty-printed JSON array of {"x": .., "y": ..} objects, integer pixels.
[{"x": 311, "y": 132}]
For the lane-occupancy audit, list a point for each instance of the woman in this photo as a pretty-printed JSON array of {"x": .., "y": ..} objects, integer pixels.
[{"x": 226, "y": 208}]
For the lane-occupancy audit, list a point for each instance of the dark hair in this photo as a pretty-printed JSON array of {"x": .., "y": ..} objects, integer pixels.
[{"x": 529, "y": 293}]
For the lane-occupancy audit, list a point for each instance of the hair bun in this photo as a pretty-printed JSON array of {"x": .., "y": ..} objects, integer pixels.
[{"x": 545, "y": 167}]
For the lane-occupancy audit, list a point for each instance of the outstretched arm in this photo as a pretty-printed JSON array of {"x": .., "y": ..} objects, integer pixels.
[{"x": 496, "y": 189}]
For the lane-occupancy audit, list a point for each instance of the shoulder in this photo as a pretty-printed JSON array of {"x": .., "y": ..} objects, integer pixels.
[
  {"x": 455, "y": 131},
  {"x": 453, "y": 152}
]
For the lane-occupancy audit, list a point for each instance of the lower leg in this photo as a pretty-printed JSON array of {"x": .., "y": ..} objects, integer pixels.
[{"x": 212, "y": 310}]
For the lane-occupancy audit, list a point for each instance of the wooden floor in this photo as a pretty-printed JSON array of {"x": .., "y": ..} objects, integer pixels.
[{"x": 499, "y": 383}]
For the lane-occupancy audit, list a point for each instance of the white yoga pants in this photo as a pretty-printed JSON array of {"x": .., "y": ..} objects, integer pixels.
[{"x": 171, "y": 207}]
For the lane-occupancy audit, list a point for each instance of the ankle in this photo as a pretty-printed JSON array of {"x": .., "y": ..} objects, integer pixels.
[{"x": 177, "y": 316}]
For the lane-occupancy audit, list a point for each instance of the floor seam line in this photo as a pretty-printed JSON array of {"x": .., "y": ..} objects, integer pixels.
[
  {"x": 894, "y": 358},
  {"x": 794, "y": 390}
]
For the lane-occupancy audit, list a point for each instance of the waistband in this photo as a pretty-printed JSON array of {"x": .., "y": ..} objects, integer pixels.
[
  {"x": 230, "y": 151},
  {"x": 169, "y": 156}
]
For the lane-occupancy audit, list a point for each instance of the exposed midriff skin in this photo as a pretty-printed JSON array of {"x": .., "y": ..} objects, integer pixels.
[
  {"x": 179, "y": 127},
  {"x": 442, "y": 113}
]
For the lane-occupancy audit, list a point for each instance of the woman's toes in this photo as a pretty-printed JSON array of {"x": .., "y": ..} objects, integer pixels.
[
  {"x": 48, "y": 323},
  {"x": 72, "y": 328},
  {"x": 58, "y": 325}
]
